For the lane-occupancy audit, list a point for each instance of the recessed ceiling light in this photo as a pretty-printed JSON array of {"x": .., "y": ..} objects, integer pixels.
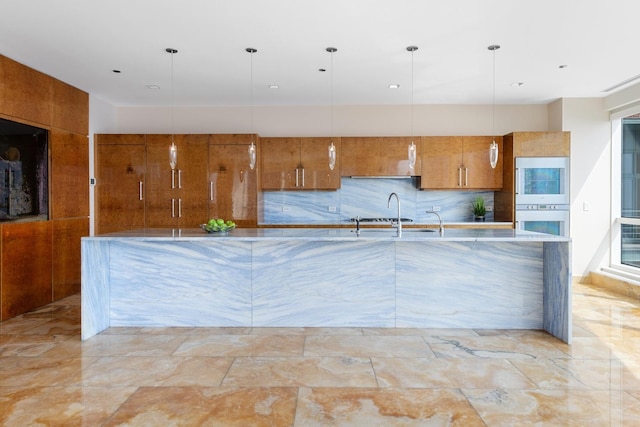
[
  {"x": 274, "y": 87},
  {"x": 517, "y": 84},
  {"x": 394, "y": 86},
  {"x": 153, "y": 87},
  {"x": 322, "y": 70},
  {"x": 562, "y": 66},
  {"x": 116, "y": 71}
]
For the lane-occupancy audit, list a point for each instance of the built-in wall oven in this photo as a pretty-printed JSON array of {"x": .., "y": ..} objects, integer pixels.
[{"x": 542, "y": 194}]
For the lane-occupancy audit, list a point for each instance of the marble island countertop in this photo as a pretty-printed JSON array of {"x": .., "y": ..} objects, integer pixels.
[{"x": 336, "y": 234}]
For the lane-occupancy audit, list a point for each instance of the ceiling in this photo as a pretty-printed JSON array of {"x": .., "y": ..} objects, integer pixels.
[{"x": 81, "y": 42}]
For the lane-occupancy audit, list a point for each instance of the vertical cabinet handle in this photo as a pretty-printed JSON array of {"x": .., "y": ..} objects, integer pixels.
[
  {"x": 297, "y": 178},
  {"x": 173, "y": 208},
  {"x": 173, "y": 179},
  {"x": 179, "y": 208},
  {"x": 466, "y": 177},
  {"x": 303, "y": 177},
  {"x": 211, "y": 190},
  {"x": 460, "y": 177},
  {"x": 179, "y": 178},
  {"x": 140, "y": 190},
  {"x": 517, "y": 181}
]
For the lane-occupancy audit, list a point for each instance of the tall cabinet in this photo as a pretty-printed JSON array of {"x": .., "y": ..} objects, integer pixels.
[
  {"x": 176, "y": 197},
  {"x": 120, "y": 163},
  {"x": 232, "y": 183}
]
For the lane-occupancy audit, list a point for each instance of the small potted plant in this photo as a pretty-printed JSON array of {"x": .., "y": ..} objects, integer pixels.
[{"x": 478, "y": 208}]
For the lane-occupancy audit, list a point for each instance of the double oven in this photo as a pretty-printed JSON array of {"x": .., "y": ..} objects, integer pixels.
[{"x": 542, "y": 194}]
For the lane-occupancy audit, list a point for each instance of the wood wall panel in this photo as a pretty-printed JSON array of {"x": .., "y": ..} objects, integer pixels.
[
  {"x": 504, "y": 201},
  {"x": 70, "y": 108},
  {"x": 24, "y": 92},
  {"x": 27, "y": 256},
  {"x": 67, "y": 234},
  {"x": 26, "y": 267},
  {"x": 69, "y": 175}
]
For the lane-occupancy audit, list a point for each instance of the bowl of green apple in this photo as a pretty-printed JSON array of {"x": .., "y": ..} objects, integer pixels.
[{"x": 218, "y": 225}]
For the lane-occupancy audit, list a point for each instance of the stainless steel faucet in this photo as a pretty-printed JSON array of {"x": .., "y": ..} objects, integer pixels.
[
  {"x": 439, "y": 219},
  {"x": 399, "y": 223}
]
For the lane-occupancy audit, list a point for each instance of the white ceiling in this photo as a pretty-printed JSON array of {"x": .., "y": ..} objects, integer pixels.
[{"x": 82, "y": 41}]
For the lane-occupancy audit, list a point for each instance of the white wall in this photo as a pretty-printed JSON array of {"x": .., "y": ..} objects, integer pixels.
[
  {"x": 102, "y": 119},
  {"x": 590, "y": 129},
  {"x": 392, "y": 120}
]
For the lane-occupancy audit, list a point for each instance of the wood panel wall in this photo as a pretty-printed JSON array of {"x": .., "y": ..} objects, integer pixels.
[{"x": 40, "y": 260}]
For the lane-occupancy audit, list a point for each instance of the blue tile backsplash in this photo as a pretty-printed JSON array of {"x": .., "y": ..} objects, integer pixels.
[{"x": 367, "y": 197}]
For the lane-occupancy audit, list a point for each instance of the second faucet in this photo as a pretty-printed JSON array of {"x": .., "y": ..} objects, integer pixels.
[{"x": 399, "y": 221}]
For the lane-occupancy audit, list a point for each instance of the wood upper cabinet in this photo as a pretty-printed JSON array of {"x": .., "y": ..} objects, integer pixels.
[
  {"x": 541, "y": 144},
  {"x": 176, "y": 197},
  {"x": 460, "y": 162},
  {"x": 299, "y": 164},
  {"x": 120, "y": 163},
  {"x": 379, "y": 156},
  {"x": 232, "y": 185}
]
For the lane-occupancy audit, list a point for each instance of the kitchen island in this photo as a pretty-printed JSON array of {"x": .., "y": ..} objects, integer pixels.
[{"x": 323, "y": 277}]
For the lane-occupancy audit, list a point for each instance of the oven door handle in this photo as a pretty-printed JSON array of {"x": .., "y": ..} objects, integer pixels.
[{"x": 517, "y": 185}]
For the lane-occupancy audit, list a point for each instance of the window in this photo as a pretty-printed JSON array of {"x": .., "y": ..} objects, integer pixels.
[{"x": 629, "y": 231}]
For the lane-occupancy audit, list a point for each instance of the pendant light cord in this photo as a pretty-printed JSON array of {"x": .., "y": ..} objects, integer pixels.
[{"x": 493, "y": 120}]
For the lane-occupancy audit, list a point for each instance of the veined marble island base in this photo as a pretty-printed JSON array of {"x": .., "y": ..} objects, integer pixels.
[{"x": 485, "y": 279}]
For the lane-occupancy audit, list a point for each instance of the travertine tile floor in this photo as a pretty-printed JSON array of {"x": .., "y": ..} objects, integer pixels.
[{"x": 322, "y": 377}]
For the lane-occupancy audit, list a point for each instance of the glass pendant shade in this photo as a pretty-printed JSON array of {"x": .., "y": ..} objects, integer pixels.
[
  {"x": 493, "y": 154},
  {"x": 173, "y": 155},
  {"x": 332, "y": 156},
  {"x": 411, "y": 152},
  {"x": 252, "y": 155}
]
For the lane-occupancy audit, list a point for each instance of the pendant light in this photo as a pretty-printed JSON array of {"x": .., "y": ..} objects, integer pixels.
[
  {"x": 411, "y": 151},
  {"x": 332, "y": 147},
  {"x": 252, "y": 147},
  {"x": 173, "y": 150},
  {"x": 493, "y": 148}
]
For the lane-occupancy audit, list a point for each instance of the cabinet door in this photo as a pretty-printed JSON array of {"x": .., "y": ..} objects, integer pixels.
[
  {"x": 120, "y": 176},
  {"x": 478, "y": 171},
  {"x": 161, "y": 192},
  {"x": 314, "y": 153},
  {"x": 280, "y": 159},
  {"x": 192, "y": 167},
  {"x": 232, "y": 185},
  {"x": 441, "y": 162},
  {"x": 176, "y": 198},
  {"x": 379, "y": 156},
  {"x": 67, "y": 235}
]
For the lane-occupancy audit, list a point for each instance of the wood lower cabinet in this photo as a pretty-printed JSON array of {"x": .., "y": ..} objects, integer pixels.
[
  {"x": 120, "y": 163},
  {"x": 26, "y": 271},
  {"x": 176, "y": 197},
  {"x": 379, "y": 156},
  {"x": 460, "y": 162},
  {"x": 299, "y": 164},
  {"x": 232, "y": 185}
]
